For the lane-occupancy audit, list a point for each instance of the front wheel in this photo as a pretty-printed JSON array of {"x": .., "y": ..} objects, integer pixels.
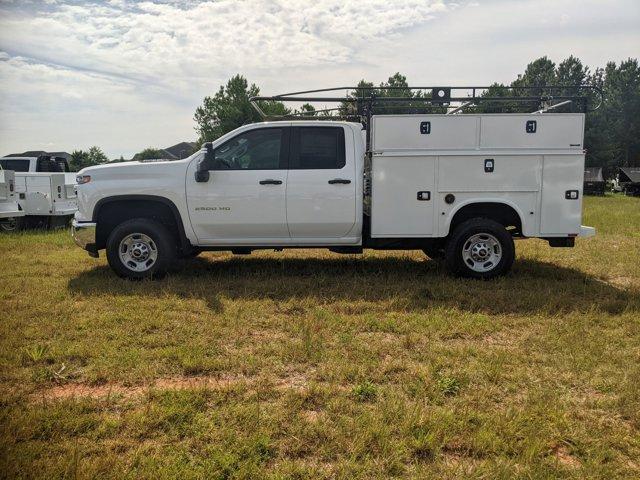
[
  {"x": 480, "y": 248},
  {"x": 140, "y": 248}
]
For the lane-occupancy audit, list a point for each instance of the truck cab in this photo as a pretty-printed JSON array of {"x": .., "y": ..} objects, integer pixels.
[{"x": 458, "y": 187}]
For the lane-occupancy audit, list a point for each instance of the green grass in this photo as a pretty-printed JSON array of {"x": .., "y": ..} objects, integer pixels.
[{"x": 307, "y": 364}]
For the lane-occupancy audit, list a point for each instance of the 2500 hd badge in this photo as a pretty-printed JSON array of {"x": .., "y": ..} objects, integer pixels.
[{"x": 210, "y": 209}]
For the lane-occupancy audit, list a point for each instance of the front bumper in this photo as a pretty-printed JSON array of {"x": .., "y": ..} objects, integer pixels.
[{"x": 84, "y": 234}]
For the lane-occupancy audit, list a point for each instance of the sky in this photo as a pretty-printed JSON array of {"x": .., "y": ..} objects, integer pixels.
[{"x": 127, "y": 75}]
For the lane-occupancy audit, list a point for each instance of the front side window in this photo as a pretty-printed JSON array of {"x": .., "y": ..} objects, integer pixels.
[
  {"x": 15, "y": 165},
  {"x": 318, "y": 148},
  {"x": 259, "y": 149}
]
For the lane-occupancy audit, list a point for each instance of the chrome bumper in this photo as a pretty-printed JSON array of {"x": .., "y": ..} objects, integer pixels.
[{"x": 84, "y": 234}]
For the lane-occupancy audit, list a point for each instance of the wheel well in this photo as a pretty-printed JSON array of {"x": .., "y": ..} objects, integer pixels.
[
  {"x": 109, "y": 213},
  {"x": 499, "y": 212}
]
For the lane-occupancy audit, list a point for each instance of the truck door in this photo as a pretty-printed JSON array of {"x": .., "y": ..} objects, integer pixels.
[
  {"x": 321, "y": 184},
  {"x": 244, "y": 200}
]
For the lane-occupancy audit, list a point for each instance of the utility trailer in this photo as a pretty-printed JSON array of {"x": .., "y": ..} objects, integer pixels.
[
  {"x": 10, "y": 211},
  {"x": 432, "y": 171},
  {"x": 45, "y": 190}
]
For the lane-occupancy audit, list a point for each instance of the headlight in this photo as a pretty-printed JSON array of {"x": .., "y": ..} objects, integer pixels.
[{"x": 80, "y": 179}]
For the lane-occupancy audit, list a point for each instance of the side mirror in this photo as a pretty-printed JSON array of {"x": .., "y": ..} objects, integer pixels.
[
  {"x": 202, "y": 174},
  {"x": 202, "y": 170}
]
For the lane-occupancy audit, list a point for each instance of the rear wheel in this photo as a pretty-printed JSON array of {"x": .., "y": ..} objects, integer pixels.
[
  {"x": 11, "y": 224},
  {"x": 480, "y": 248},
  {"x": 140, "y": 248}
]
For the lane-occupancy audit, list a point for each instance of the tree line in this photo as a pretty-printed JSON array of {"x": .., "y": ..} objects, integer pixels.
[{"x": 612, "y": 132}]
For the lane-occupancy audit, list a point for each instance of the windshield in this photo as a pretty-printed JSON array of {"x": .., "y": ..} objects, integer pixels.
[{"x": 15, "y": 165}]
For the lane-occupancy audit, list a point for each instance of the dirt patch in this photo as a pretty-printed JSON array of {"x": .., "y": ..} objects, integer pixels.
[
  {"x": 311, "y": 415},
  {"x": 624, "y": 282},
  {"x": 564, "y": 457},
  {"x": 290, "y": 381},
  {"x": 109, "y": 390}
]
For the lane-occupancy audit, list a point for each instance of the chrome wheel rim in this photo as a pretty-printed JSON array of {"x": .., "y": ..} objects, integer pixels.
[
  {"x": 138, "y": 252},
  {"x": 482, "y": 252}
]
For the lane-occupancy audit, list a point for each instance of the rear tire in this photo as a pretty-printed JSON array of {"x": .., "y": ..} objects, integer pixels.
[
  {"x": 480, "y": 248},
  {"x": 140, "y": 248},
  {"x": 12, "y": 224}
]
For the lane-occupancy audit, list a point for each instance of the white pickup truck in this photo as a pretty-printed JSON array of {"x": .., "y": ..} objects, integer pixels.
[
  {"x": 10, "y": 211},
  {"x": 45, "y": 190},
  {"x": 461, "y": 187}
]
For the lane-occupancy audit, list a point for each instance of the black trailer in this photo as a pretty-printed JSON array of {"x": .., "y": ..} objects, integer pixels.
[
  {"x": 629, "y": 178},
  {"x": 594, "y": 183}
]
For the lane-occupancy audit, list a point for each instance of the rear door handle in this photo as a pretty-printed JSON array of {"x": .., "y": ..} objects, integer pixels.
[
  {"x": 270, "y": 181},
  {"x": 339, "y": 180}
]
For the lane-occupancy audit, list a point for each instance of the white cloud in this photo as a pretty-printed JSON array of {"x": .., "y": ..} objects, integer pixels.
[{"x": 161, "y": 42}]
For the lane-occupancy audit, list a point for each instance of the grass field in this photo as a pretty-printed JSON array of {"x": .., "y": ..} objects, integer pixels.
[{"x": 307, "y": 364}]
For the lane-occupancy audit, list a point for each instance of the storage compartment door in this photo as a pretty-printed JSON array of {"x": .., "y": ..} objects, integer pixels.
[
  {"x": 425, "y": 132},
  {"x": 561, "y": 175},
  {"x": 38, "y": 198},
  {"x": 489, "y": 173},
  {"x": 556, "y": 131},
  {"x": 402, "y": 196}
]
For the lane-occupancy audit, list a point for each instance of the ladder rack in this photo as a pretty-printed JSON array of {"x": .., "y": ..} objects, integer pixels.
[
  {"x": 369, "y": 99},
  {"x": 361, "y": 103}
]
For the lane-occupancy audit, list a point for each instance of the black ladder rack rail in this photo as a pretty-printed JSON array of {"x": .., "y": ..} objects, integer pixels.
[{"x": 365, "y": 100}]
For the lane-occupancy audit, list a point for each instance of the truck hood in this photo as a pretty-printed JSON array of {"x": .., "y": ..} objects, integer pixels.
[
  {"x": 115, "y": 168},
  {"x": 134, "y": 169}
]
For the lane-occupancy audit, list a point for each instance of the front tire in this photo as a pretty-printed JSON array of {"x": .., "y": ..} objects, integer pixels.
[
  {"x": 140, "y": 248},
  {"x": 480, "y": 248}
]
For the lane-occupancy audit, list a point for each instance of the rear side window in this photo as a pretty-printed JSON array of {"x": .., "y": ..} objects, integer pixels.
[
  {"x": 317, "y": 148},
  {"x": 46, "y": 164},
  {"x": 15, "y": 165}
]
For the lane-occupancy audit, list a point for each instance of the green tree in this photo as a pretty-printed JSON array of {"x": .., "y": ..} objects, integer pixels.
[
  {"x": 539, "y": 73},
  {"x": 616, "y": 125},
  {"x": 97, "y": 156},
  {"x": 395, "y": 86},
  {"x": 230, "y": 108},
  {"x": 149, "y": 153},
  {"x": 81, "y": 158}
]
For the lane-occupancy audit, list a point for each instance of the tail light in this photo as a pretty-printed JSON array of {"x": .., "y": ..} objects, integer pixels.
[{"x": 82, "y": 179}]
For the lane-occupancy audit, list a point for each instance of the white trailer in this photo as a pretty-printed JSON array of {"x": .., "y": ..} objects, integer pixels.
[
  {"x": 45, "y": 190},
  {"x": 460, "y": 186},
  {"x": 10, "y": 211}
]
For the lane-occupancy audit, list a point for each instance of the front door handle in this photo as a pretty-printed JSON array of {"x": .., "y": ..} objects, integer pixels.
[
  {"x": 270, "y": 181},
  {"x": 339, "y": 180}
]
